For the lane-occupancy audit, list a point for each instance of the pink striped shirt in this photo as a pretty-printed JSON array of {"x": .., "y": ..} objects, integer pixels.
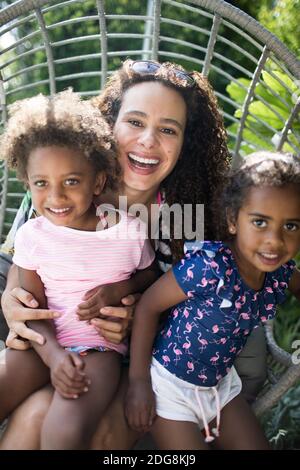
[{"x": 70, "y": 262}]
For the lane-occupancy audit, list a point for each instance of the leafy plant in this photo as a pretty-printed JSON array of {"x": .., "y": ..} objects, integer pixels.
[
  {"x": 275, "y": 94},
  {"x": 282, "y": 423}
]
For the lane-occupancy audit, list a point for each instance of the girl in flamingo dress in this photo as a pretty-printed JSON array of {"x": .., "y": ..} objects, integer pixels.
[{"x": 219, "y": 292}]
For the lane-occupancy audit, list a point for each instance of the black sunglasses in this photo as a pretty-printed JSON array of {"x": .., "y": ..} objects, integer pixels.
[{"x": 144, "y": 67}]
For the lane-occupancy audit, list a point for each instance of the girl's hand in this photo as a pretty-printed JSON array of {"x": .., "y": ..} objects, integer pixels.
[
  {"x": 118, "y": 324},
  {"x": 96, "y": 298},
  {"x": 67, "y": 374},
  {"x": 140, "y": 405},
  {"x": 18, "y": 307}
]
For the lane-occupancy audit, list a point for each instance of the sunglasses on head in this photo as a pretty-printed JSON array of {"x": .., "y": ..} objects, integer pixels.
[{"x": 145, "y": 67}]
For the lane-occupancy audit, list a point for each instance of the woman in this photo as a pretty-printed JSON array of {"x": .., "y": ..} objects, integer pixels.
[{"x": 172, "y": 146}]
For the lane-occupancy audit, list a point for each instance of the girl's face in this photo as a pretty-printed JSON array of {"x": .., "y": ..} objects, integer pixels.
[
  {"x": 63, "y": 183},
  {"x": 149, "y": 132},
  {"x": 267, "y": 230}
]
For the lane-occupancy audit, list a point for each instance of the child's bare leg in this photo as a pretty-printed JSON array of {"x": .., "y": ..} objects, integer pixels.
[
  {"x": 177, "y": 435},
  {"x": 24, "y": 427},
  {"x": 113, "y": 432},
  {"x": 23, "y": 373},
  {"x": 240, "y": 429},
  {"x": 81, "y": 416}
]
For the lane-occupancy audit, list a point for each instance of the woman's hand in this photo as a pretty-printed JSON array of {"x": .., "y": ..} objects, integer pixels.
[
  {"x": 140, "y": 405},
  {"x": 118, "y": 325},
  {"x": 18, "y": 307},
  {"x": 67, "y": 374}
]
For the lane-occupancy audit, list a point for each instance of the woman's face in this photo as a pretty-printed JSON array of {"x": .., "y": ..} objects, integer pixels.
[{"x": 149, "y": 132}]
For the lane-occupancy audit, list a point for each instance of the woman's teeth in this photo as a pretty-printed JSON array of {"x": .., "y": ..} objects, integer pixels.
[{"x": 143, "y": 161}]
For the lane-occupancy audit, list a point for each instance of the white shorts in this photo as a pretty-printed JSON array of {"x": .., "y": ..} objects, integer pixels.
[{"x": 176, "y": 398}]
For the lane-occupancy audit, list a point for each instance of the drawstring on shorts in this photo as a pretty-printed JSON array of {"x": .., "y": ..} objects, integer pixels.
[{"x": 215, "y": 431}]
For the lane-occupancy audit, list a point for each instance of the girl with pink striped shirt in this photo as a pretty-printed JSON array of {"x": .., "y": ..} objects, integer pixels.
[{"x": 64, "y": 151}]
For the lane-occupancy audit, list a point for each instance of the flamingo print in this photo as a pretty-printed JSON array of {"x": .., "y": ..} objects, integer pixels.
[
  {"x": 269, "y": 307},
  {"x": 214, "y": 359},
  {"x": 166, "y": 359},
  {"x": 169, "y": 332},
  {"x": 188, "y": 327},
  {"x": 177, "y": 353},
  {"x": 226, "y": 359},
  {"x": 220, "y": 341},
  {"x": 190, "y": 293},
  {"x": 189, "y": 273},
  {"x": 203, "y": 342},
  {"x": 244, "y": 316},
  {"x": 186, "y": 311},
  {"x": 217, "y": 328},
  {"x": 215, "y": 265},
  {"x": 203, "y": 283},
  {"x": 191, "y": 367},
  {"x": 187, "y": 344},
  {"x": 182, "y": 263},
  {"x": 202, "y": 375},
  {"x": 175, "y": 313}
]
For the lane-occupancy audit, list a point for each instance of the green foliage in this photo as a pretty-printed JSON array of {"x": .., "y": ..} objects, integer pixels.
[
  {"x": 268, "y": 111},
  {"x": 282, "y": 18},
  {"x": 282, "y": 423}
]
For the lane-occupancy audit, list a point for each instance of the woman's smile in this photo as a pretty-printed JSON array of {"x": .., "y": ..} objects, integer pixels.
[{"x": 143, "y": 164}]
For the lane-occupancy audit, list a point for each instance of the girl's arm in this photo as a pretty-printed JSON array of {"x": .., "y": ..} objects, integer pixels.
[
  {"x": 294, "y": 284},
  {"x": 66, "y": 369},
  {"x": 163, "y": 294}
]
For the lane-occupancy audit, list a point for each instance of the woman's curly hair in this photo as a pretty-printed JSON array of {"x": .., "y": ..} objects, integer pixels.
[
  {"x": 204, "y": 156},
  {"x": 259, "y": 169},
  {"x": 64, "y": 120}
]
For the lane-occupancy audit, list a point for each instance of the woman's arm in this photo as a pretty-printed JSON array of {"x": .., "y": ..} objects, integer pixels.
[
  {"x": 163, "y": 294},
  {"x": 18, "y": 307},
  {"x": 110, "y": 307},
  {"x": 31, "y": 282}
]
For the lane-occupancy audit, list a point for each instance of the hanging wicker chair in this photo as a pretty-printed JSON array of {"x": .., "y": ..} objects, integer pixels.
[{"x": 240, "y": 57}]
